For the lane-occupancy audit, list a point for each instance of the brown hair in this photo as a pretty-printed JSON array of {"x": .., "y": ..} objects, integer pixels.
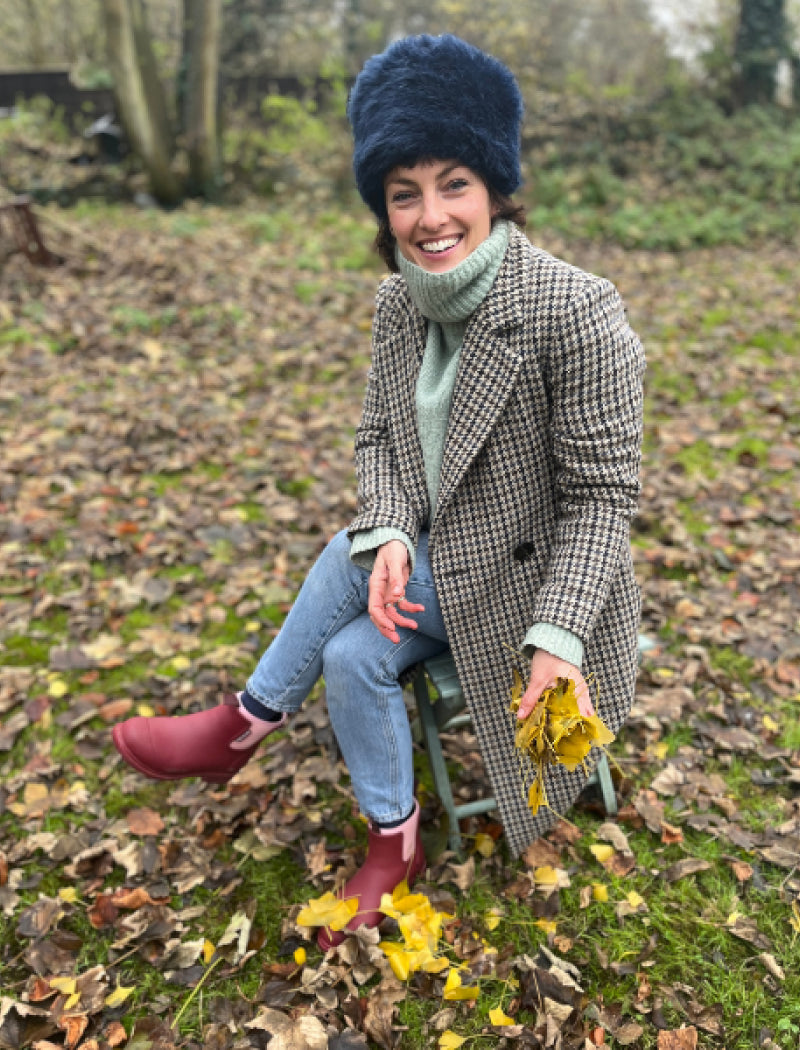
[{"x": 502, "y": 207}]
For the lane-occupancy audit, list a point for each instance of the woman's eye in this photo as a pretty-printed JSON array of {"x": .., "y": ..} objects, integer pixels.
[
  {"x": 457, "y": 184},
  {"x": 401, "y": 196}
]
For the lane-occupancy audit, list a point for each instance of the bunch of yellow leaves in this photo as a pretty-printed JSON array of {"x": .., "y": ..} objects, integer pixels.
[
  {"x": 420, "y": 926},
  {"x": 555, "y": 732}
]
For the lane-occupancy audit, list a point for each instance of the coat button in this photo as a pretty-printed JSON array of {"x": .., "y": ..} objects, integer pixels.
[{"x": 524, "y": 551}]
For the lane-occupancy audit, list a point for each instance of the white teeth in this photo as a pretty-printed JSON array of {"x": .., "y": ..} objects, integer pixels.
[{"x": 440, "y": 246}]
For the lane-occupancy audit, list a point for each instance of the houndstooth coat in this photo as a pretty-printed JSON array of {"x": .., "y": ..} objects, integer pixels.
[{"x": 539, "y": 481}]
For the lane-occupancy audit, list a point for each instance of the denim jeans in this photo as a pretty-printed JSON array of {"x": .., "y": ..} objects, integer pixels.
[{"x": 328, "y": 633}]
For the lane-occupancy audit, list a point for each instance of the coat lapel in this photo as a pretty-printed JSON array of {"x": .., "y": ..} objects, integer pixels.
[
  {"x": 488, "y": 368},
  {"x": 408, "y": 347}
]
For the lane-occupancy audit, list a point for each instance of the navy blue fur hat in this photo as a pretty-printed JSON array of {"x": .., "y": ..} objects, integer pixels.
[{"x": 434, "y": 97}]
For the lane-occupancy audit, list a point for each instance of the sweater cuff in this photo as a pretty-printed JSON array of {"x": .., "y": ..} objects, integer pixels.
[
  {"x": 555, "y": 640},
  {"x": 365, "y": 545}
]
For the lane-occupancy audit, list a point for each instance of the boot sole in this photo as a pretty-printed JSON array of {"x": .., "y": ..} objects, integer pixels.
[{"x": 154, "y": 774}]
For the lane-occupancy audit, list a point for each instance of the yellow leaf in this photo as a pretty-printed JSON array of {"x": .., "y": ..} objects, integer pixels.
[
  {"x": 548, "y": 925},
  {"x": 300, "y": 956},
  {"x": 517, "y": 689},
  {"x": 484, "y": 844},
  {"x": 401, "y": 901},
  {"x": 208, "y": 951},
  {"x": 454, "y": 990},
  {"x": 599, "y": 892},
  {"x": 770, "y": 724},
  {"x": 602, "y": 852},
  {"x": 546, "y": 875},
  {"x": 536, "y": 796},
  {"x": 573, "y": 749},
  {"x": 145, "y": 710},
  {"x": 635, "y": 899},
  {"x": 492, "y": 920},
  {"x": 399, "y": 959},
  {"x": 181, "y": 663},
  {"x": 252, "y": 627},
  {"x": 58, "y": 688},
  {"x": 328, "y": 910},
  {"x": 69, "y": 895},
  {"x": 65, "y": 985},
  {"x": 497, "y": 1017},
  {"x": 450, "y": 1041},
  {"x": 119, "y": 995},
  {"x": 598, "y": 730}
]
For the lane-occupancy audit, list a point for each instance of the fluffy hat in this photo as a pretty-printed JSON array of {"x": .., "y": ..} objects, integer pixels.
[{"x": 434, "y": 97}]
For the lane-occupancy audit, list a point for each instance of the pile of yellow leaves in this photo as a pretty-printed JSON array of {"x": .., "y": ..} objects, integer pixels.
[
  {"x": 420, "y": 926},
  {"x": 555, "y": 732}
]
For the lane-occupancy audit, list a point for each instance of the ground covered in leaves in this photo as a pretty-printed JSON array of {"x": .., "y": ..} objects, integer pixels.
[{"x": 177, "y": 405}]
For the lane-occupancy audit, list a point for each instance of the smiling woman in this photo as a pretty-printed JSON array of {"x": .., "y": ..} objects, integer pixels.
[{"x": 503, "y": 413}]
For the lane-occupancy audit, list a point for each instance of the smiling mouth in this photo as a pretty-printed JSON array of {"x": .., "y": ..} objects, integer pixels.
[{"x": 444, "y": 244}]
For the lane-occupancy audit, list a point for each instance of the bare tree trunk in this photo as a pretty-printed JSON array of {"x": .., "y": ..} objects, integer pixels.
[
  {"x": 140, "y": 96},
  {"x": 200, "y": 93},
  {"x": 761, "y": 43}
]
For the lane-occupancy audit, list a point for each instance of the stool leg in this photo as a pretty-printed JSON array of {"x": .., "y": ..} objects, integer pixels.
[
  {"x": 603, "y": 773},
  {"x": 433, "y": 747}
]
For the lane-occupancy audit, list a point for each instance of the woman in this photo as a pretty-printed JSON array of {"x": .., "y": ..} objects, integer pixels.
[{"x": 497, "y": 461}]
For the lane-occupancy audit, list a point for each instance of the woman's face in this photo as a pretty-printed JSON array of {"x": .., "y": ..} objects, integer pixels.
[{"x": 439, "y": 212}]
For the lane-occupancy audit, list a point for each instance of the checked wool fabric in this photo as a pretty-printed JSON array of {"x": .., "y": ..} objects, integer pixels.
[{"x": 539, "y": 481}]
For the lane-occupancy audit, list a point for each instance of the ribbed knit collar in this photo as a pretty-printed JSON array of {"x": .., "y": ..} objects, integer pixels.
[{"x": 455, "y": 294}]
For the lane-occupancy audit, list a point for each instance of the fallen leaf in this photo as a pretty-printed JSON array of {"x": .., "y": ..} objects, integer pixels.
[
  {"x": 119, "y": 996},
  {"x": 328, "y": 910},
  {"x": 454, "y": 990},
  {"x": 499, "y": 1018},
  {"x": 144, "y": 821},
  {"x": 290, "y": 1033},
  {"x": 602, "y": 852},
  {"x": 679, "y": 1039},
  {"x": 450, "y": 1041},
  {"x": 690, "y": 866}
]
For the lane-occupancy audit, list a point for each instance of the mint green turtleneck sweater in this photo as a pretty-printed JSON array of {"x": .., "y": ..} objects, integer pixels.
[{"x": 448, "y": 300}]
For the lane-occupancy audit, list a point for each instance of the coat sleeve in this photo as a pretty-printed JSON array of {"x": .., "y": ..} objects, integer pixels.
[
  {"x": 383, "y": 502},
  {"x": 596, "y": 365}
]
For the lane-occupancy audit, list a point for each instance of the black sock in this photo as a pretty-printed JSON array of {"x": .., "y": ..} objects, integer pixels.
[
  {"x": 388, "y": 824},
  {"x": 258, "y": 710}
]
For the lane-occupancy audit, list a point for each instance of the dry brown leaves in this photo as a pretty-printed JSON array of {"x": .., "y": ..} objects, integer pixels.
[{"x": 176, "y": 421}]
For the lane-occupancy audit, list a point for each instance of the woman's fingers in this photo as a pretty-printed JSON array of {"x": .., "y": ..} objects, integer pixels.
[
  {"x": 388, "y": 618},
  {"x": 545, "y": 670},
  {"x": 386, "y": 600}
]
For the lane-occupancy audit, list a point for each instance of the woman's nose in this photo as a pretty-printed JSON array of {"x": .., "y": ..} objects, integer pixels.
[{"x": 433, "y": 215}]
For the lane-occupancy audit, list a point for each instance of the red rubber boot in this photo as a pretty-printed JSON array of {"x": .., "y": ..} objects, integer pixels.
[
  {"x": 210, "y": 744},
  {"x": 393, "y": 854}
]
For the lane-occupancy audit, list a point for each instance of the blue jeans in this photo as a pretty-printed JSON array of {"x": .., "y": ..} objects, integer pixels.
[{"x": 329, "y": 633}]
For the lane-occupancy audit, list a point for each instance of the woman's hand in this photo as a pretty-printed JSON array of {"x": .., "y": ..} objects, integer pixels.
[
  {"x": 545, "y": 669},
  {"x": 387, "y": 588}
]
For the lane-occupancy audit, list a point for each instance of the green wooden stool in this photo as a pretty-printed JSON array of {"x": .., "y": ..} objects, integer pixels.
[{"x": 449, "y": 712}]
